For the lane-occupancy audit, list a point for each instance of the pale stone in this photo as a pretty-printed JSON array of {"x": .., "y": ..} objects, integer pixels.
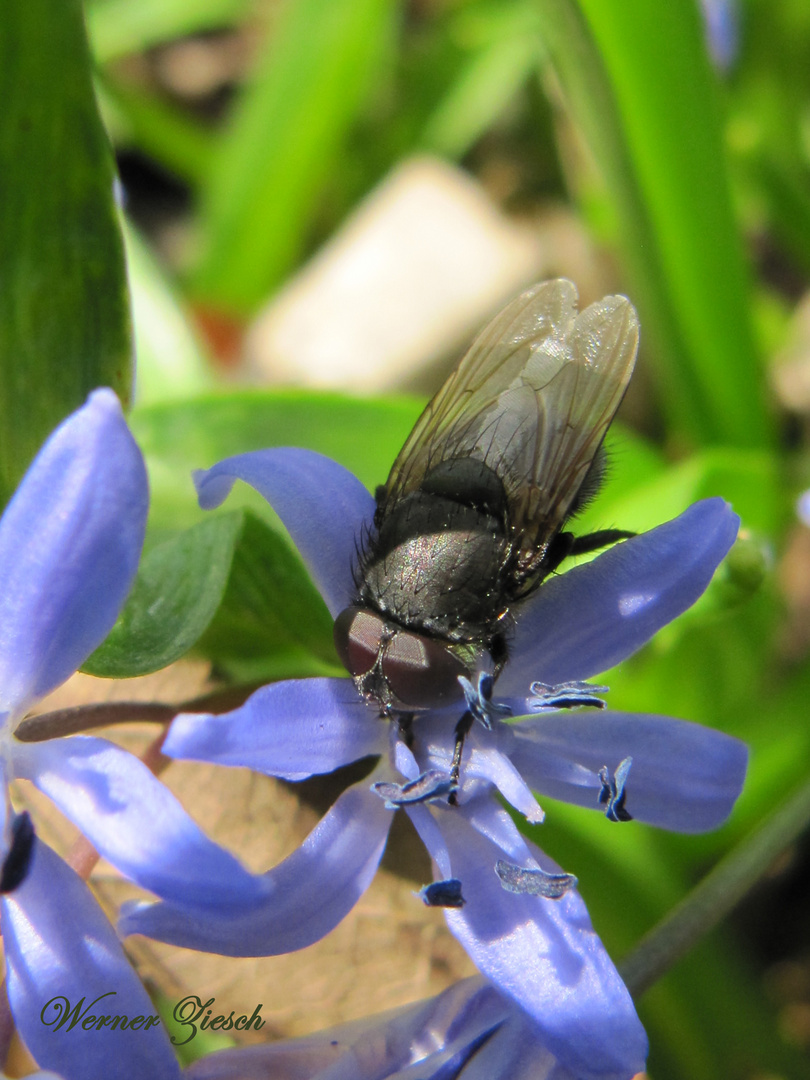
[{"x": 411, "y": 275}]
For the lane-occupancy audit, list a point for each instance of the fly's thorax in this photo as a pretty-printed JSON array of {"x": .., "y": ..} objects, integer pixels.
[
  {"x": 398, "y": 669},
  {"x": 438, "y": 567}
]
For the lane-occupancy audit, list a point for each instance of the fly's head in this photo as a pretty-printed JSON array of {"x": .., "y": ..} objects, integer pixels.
[{"x": 400, "y": 670}]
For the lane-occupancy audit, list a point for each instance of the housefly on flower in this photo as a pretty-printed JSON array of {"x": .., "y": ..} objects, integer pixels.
[{"x": 473, "y": 515}]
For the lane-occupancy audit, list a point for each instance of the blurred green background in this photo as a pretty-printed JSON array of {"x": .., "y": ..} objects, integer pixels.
[{"x": 276, "y": 158}]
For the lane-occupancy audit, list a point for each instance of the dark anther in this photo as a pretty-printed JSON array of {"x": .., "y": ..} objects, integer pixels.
[
  {"x": 18, "y": 860},
  {"x": 533, "y": 882},
  {"x": 567, "y": 695},
  {"x": 479, "y": 699},
  {"x": 430, "y": 785},
  {"x": 443, "y": 894},
  {"x": 613, "y": 793}
]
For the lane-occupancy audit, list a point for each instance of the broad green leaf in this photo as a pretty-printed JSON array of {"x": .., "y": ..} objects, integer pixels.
[
  {"x": 119, "y": 27},
  {"x": 272, "y": 622},
  {"x": 234, "y": 590},
  {"x": 363, "y": 435},
  {"x": 283, "y": 138},
  {"x": 749, "y": 480},
  {"x": 178, "y": 589},
  {"x": 638, "y": 81},
  {"x": 64, "y": 317}
]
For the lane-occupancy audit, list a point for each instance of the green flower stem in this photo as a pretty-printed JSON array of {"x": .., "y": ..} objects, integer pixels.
[{"x": 716, "y": 895}]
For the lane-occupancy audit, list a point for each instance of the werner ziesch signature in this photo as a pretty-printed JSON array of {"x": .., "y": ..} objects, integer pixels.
[{"x": 187, "y": 1013}]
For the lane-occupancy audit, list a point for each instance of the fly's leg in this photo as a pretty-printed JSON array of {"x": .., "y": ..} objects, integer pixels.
[{"x": 462, "y": 730}]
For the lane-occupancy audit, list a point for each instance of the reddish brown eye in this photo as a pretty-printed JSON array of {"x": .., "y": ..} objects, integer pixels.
[
  {"x": 357, "y": 636},
  {"x": 421, "y": 672}
]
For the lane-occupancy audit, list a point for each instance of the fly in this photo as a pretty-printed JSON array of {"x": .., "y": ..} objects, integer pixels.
[{"x": 472, "y": 517}]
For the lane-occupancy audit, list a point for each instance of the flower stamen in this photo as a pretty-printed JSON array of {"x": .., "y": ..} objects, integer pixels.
[
  {"x": 446, "y": 894},
  {"x": 566, "y": 695},
  {"x": 427, "y": 787},
  {"x": 533, "y": 882},
  {"x": 613, "y": 791}
]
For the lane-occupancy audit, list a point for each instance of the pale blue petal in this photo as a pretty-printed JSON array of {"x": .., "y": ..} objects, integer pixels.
[
  {"x": 323, "y": 506},
  {"x": 62, "y": 952},
  {"x": 586, "y": 620},
  {"x": 431, "y": 836},
  {"x": 307, "y": 895},
  {"x": 515, "y": 1052},
  {"x": 135, "y": 822},
  {"x": 542, "y": 953},
  {"x": 684, "y": 776},
  {"x": 70, "y": 541},
  {"x": 289, "y": 729},
  {"x": 488, "y": 763}
]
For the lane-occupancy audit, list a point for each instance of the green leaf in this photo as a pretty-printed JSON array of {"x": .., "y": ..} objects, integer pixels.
[
  {"x": 64, "y": 317},
  {"x": 178, "y": 589},
  {"x": 749, "y": 480},
  {"x": 637, "y": 79},
  {"x": 487, "y": 82},
  {"x": 272, "y": 622},
  {"x": 283, "y": 139},
  {"x": 233, "y": 589},
  {"x": 364, "y": 435}
]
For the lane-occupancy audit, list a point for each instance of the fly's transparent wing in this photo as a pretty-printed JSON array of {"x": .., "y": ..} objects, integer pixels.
[{"x": 531, "y": 400}]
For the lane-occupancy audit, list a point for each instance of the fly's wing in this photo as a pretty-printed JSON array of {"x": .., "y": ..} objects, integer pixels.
[{"x": 531, "y": 400}]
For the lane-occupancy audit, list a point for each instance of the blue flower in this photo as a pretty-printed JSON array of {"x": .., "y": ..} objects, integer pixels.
[
  {"x": 70, "y": 541},
  {"x": 469, "y": 1032},
  {"x": 541, "y": 952},
  {"x": 722, "y": 28}
]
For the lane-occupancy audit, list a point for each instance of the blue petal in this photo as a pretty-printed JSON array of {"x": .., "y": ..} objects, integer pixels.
[
  {"x": 490, "y": 764},
  {"x": 516, "y": 1053},
  {"x": 62, "y": 952},
  {"x": 70, "y": 541},
  {"x": 425, "y": 1037},
  {"x": 590, "y": 618},
  {"x": 324, "y": 507},
  {"x": 431, "y": 836},
  {"x": 543, "y": 953},
  {"x": 722, "y": 19},
  {"x": 289, "y": 729},
  {"x": 684, "y": 777},
  {"x": 307, "y": 895},
  {"x": 135, "y": 822}
]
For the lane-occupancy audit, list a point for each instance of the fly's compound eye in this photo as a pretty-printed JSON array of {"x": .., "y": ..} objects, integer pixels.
[
  {"x": 358, "y": 634},
  {"x": 421, "y": 672}
]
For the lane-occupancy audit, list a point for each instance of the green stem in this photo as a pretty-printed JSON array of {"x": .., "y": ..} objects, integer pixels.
[{"x": 716, "y": 895}]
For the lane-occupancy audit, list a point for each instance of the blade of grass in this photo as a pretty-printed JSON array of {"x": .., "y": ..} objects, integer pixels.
[
  {"x": 282, "y": 140},
  {"x": 163, "y": 131},
  {"x": 487, "y": 82},
  {"x": 638, "y": 82}
]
